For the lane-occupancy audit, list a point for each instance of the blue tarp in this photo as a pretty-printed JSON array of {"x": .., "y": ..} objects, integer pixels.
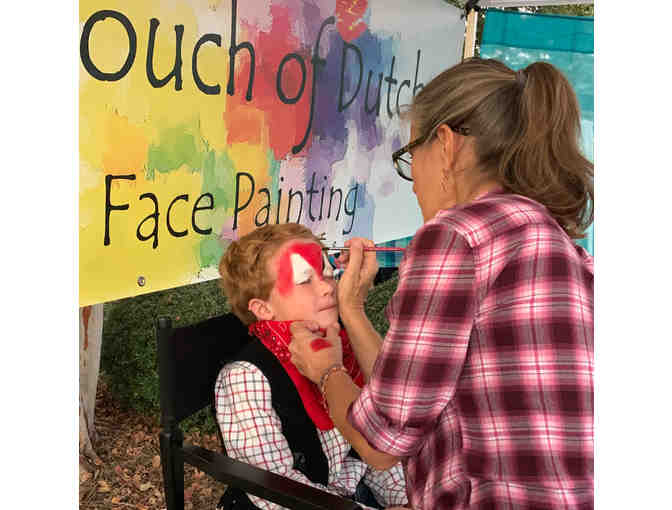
[{"x": 518, "y": 39}]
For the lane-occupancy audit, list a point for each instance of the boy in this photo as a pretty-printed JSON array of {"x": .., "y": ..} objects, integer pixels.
[{"x": 269, "y": 414}]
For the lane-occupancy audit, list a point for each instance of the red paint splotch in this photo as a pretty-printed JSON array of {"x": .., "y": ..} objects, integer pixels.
[
  {"x": 311, "y": 252},
  {"x": 349, "y": 16},
  {"x": 317, "y": 344},
  {"x": 265, "y": 118}
]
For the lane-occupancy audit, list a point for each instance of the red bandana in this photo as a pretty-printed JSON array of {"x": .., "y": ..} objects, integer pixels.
[{"x": 275, "y": 335}]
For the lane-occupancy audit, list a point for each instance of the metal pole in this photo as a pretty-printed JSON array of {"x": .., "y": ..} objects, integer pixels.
[{"x": 470, "y": 36}]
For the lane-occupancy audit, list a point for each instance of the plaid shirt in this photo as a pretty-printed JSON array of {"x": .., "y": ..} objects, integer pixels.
[
  {"x": 484, "y": 382},
  {"x": 252, "y": 433}
]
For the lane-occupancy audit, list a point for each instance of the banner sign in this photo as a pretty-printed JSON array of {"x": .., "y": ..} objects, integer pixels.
[
  {"x": 519, "y": 39},
  {"x": 200, "y": 120}
]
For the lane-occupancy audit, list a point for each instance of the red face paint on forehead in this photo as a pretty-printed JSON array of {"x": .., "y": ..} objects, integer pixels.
[{"x": 311, "y": 252}]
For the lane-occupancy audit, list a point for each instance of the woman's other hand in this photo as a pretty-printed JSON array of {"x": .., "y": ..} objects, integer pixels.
[
  {"x": 313, "y": 351},
  {"x": 357, "y": 279}
]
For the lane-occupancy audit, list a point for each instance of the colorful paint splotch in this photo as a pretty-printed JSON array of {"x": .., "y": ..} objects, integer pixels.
[{"x": 201, "y": 120}]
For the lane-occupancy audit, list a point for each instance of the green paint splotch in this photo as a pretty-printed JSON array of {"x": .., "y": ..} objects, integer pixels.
[
  {"x": 210, "y": 251},
  {"x": 219, "y": 179},
  {"x": 178, "y": 145}
]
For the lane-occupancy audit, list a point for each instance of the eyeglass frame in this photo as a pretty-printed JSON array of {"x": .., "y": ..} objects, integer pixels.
[{"x": 396, "y": 155}]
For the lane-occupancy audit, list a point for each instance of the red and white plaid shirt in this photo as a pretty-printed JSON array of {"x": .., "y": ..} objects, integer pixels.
[
  {"x": 252, "y": 433},
  {"x": 484, "y": 383}
]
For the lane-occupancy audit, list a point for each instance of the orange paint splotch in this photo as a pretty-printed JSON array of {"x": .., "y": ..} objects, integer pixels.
[{"x": 245, "y": 123}]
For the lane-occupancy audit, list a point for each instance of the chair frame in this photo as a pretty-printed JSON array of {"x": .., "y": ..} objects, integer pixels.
[{"x": 175, "y": 453}]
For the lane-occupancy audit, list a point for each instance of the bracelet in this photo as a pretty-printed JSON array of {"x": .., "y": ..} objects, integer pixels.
[{"x": 338, "y": 367}]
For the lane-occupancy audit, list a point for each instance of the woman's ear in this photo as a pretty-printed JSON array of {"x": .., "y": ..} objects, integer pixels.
[
  {"x": 261, "y": 309},
  {"x": 446, "y": 138}
]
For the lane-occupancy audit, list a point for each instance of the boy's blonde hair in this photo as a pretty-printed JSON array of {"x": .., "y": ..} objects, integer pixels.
[{"x": 244, "y": 265}]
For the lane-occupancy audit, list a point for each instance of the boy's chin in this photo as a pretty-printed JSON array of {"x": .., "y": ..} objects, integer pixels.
[{"x": 327, "y": 317}]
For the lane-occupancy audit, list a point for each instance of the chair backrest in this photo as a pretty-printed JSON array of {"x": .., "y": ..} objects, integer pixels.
[{"x": 190, "y": 358}]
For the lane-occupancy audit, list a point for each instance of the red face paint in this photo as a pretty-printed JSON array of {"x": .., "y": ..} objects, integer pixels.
[
  {"x": 318, "y": 344},
  {"x": 311, "y": 252}
]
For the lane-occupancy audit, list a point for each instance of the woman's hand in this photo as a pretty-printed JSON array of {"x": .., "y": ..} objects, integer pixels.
[
  {"x": 313, "y": 352},
  {"x": 357, "y": 279}
]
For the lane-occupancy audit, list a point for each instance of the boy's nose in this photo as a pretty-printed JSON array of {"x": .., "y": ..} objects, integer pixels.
[{"x": 325, "y": 287}]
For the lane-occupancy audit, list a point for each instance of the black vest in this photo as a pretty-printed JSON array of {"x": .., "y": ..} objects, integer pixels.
[{"x": 297, "y": 427}]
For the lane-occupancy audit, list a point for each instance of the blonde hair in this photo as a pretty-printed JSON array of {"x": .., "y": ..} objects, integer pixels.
[
  {"x": 243, "y": 267},
  {"x": 526, "y": 126}
]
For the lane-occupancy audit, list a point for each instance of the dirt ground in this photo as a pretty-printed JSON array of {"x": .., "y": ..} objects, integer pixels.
[{"x": 128, "y": 473}]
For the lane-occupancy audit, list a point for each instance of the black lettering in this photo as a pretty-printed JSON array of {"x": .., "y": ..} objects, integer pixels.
[
  {"x": 197, "y": 208},
  {"x": 351, "y": 213},
  {"x": 347, "y": 46},
  {"x": 322, "y": 198},
  {"x": 390, "y": 81},
  {"x": 376, "y": 107},
  {"x": 417, "y": 86},
  {"x": 108, "y": 205},
  {"x": 84, "y": 45},
  {"x": 237, "y": 209},
  {"x": 267, "y": 208},
  {"x": 177, "y": 67},
  {"x": 405, "y": 83},
  {"x": 317, "y": 61},
  {"x": 278, "y": 80},
  {"x": 233, "y": 50},
  {"x": 289, "y": 205},
  {"x": 277, "y": 213},
  {"x": 311, "y": 191},
  {"x": 202, "y": 86},
  {"x": 170, "y": 227},
  {"x": 332, "y": 192},
  {"x": 155, "y": 217}
]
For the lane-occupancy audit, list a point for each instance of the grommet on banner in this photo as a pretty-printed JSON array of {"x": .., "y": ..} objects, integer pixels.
[{"x": 141, "y": 281}]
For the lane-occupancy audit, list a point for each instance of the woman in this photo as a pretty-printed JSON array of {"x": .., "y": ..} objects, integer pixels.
[{"x": 483, "y": 385}]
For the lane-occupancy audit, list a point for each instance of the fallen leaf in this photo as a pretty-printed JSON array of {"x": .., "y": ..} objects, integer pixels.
[
  {"x": 145, "y": 486},
  {"x": 103, "y": 486},
  {"x": 115, "y": 500},
  {"x": 84, "y": 475},
  {"x": 156, "y": 461}
]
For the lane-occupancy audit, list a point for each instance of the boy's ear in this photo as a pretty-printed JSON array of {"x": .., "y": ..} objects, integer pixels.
[{"x": 261, "y": 309}]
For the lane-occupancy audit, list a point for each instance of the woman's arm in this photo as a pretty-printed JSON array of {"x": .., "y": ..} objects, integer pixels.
[
  {"x": 340, "y": 392},
  {"x": 365, "y": 340},
  {"x": 353, "y": 288}
]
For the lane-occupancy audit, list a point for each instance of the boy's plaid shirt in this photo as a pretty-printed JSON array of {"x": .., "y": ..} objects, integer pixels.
[{"x": 484, "y": 383}]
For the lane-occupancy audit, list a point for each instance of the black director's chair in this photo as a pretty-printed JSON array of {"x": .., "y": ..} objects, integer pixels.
[{"x": 189, "y": 361}]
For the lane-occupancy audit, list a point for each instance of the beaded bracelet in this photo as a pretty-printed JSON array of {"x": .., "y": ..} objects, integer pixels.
[{"x": 338, "y": 367}]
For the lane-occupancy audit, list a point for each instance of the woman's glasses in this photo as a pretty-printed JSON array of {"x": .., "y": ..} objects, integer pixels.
[{"x": 403, "y": 159}]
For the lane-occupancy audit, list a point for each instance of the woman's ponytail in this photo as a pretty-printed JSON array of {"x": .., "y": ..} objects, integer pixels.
[{"x": 527, "y": 130}]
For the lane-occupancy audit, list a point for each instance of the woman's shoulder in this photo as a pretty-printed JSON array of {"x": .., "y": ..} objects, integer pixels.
[{"x": 492, "y": 215}]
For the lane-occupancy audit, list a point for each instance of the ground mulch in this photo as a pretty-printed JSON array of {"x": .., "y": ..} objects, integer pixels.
[{"x": 128, "y": 471}]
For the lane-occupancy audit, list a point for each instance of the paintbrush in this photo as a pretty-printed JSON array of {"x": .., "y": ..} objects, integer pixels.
[{"x": 375, "y": 248}]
